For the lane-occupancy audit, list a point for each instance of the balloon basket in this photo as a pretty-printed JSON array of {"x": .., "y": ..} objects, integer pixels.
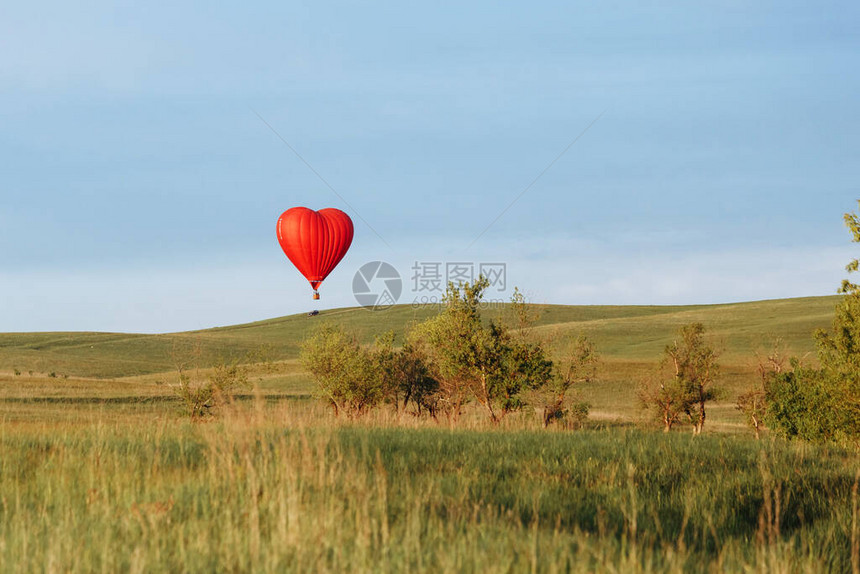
[{"x": 316, "y": 295}]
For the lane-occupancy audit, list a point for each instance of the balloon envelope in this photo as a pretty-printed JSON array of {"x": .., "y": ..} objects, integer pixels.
[{"x": 315, "y": 241}]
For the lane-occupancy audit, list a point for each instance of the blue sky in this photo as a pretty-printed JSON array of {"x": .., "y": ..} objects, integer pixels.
[{"x": 140, "y": 189}]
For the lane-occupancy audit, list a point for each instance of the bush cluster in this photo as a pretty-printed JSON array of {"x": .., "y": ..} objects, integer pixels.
[
  {"x": 816, "y": 403},
  {"x": 823, "y": 403},
  {"x": 451, "y": 360}
]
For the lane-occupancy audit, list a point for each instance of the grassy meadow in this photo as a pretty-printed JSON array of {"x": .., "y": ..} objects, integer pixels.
[
  {"x": 269, "y": 488},
  {"x": 99, "y": 471}
]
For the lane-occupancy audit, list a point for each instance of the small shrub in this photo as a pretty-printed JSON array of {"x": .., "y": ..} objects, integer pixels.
[
  {"x": 53, "y": 374},
  {"x": 204, "y": 398},
  {"x": 17, "y": 372},
  {"x": 577, "y": 414},
  {"x": 804, "y": 403},
  {"x": 572, "y": 416},
  {"x": 753, "y": 405}
]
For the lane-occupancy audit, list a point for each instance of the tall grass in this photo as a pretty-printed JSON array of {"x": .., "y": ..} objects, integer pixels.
[{"x": 275, "y": 488}]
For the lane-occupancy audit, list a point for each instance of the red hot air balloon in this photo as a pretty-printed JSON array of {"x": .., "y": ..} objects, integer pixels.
[{"x": 315, "y": 241}]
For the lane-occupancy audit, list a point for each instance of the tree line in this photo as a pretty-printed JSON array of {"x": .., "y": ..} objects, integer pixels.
[{"x": 502, "y": 366}]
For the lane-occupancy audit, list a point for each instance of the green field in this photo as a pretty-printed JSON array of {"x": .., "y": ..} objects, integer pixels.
[
  {"x": 100, "y": 471},
  {"x": 621, "y": 332},
  {"x": 630, "y": 340}
]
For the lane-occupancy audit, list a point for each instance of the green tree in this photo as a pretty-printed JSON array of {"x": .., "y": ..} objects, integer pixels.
[
  {"x": 852, "y": 222},
  {"x": 473, "y": 361},
  {"x": 452, "y": 343},
  {"x": 689, "y": 370},
  {"x": 666, "y": 396},
  {"x": 575, "y": 364},
  {"x": 824, "y": 404},
  {"x": 406, "y": 379},
  {"x": 522, "y": 314},
  {"x": 695, "y": 366},
  {"x": 839, "y": 351},
  {"x": 415, "y": 382},
  {"x": 509, "y": 366},
  {"x": 839, "y": 356},
  {"x": 528, "y": 365},
  {"x": 349, "y": 376}
]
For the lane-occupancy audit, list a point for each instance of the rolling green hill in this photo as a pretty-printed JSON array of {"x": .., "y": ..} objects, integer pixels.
[{"x": 622, "y": 333}]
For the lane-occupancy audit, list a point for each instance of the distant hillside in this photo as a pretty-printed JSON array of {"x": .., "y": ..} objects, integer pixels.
[{"x": 621, "y": 332}]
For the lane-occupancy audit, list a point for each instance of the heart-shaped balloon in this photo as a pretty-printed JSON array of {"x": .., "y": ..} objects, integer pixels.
[{"x": 315, "y": 241}]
